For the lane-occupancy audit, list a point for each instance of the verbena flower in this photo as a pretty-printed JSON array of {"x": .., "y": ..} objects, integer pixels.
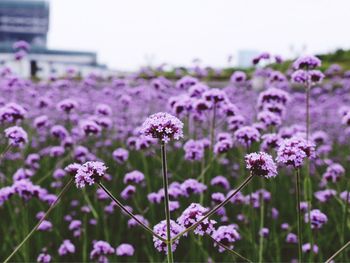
[
  {"x": 247, "y": 135},
  {"x": 333, "y": 173},
  {"x": 190, "y": 186},
  {"x": 100, "y": 251},
  {"x": 307, "y": 62},
  {"x": 161, "y": 230},
  {"x": 261, "y": 164},
  {"x": 191, "y": 215},
  {"x": 226, "y": 235},
  {"x": 318, "y": 219},
  {"x": 264, "y": 232},
  {"x": 220, "y": 181},
  {"x": 162, "y": 126},
  {"x": 67, "y": 247},
  {"x": 12, "y": 112},
  {"x": 293, "y": 151},
  {"x": 306, "y": 248},
  {"x": 120, "y": 155},
  {"x": 194, "y": 150},
  {"x": 44, "y": 258},
  {"x": 125, "y": 250},
  {"x": 17, "y": 136},
  {"x": 128, "y": 192},
  {"x": 135, "y": 177},
  {"x": 292, "y": 238},
  {"x": 89, "y": 173}
]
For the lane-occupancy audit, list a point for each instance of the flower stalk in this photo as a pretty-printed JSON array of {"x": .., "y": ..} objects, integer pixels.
[{"x": 166, "y": 203}]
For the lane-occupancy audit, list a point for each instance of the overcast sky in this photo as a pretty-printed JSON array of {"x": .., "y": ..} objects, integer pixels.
[{"x": 127, "y": 34}]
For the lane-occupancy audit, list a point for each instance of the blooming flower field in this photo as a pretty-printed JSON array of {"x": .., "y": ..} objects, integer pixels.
[{"x": 184, "y": 170}]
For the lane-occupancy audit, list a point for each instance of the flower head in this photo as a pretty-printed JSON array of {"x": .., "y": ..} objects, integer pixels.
[
  {"x": 226, "y": 235},
  {"x": 16, "y": 135},
  {"x": 162, "y": 126},
  {"x": 161, "y": 230},
  {"x": 100, "y": 251},
  {"x": 317, "y": 218},
  {"x": 89, "y": 173},
  {"x": 192, "y": 215},
  {"x": 293, "y": 151},
  {"x": 125, "y": 250},
  {"x": 307, "y": 62},
  {"x": 261, "y": 164}
]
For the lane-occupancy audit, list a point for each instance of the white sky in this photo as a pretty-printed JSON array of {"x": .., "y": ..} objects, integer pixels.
[{"x": 127, "y": 33}]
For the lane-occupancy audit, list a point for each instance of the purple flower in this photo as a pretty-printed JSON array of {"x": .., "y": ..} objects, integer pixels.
[
  {"x": 300, "y": 76},
  {"x": 247, "y": 135},
  {"x": 325, "y": 195},
  {"x": 333, "y": 173},
  {"x": 223, "y": 144},
  {"x": 132, "y": 222},
  {"x": 192, "y": 215},
  {"x": 306, "y": 248},
  {"x": 90, "y": 127},
  {"x": 161, "y": 230},
  {"x": 67, "y": 247},
  {"x": 45, "y": 226},
  {"x": 21, "y": 44},
  {"x": 270, "y": 141},
  {"x": 261, "y": 164},
  {"x": 59, "y": 132},
  {"x": 269, "y": 118},
  {"x": 89, "y": 173},
  {"x": 318, "y": 219},
  {"x": 135, "y": 177},
  {"x": 128, "y": 192},
  {"x": 190, "y": 186},
  {"x": 100, "y": 251},
  {"x": 43, "y": 258},
  {"x": 67, "y": 105},
  {"x": 226, "y": 235},
  {"x": 238, "y": 77},
  {"x": 292, "y": 238},
  {"x": 16, "y": 135},
  {"x": 264, "y": 232},
  {"x": 41, "y": 121},
  {"x": 293, "y": 151},
  {"x": 343, "y": 195},
  {"x": 125, "y": 250},
  {"x": 120, "y": 155},
  {"x": 12, "y": 112},
  {"x": 194, "y": 150},
  {"x": 162, "y": 126},
  {"x": 215, "y": 95},
  {"x": 220, "y": 181},
  {"x": 307, "y": 62}
]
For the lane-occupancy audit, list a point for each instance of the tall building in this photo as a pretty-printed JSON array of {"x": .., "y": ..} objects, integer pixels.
[
  {"x": 29, "y": 20},
  {"x": 24, "y": 20}
]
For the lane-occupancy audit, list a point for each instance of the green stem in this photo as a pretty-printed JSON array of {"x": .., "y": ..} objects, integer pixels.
[
  {"x": 122, "y": 207},
  {"x": 297, "y": 188},
  {"x": 166, "y": 203},
  {"x": 261, "y": 240},
  {"x": 229, "y": 250},
  {"x": 53, "y": 205}
]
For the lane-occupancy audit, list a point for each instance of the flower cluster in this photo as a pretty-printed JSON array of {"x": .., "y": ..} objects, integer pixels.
[
  {"x": 161, "y": 230},
  {"x": 293, "y": 151},
  {"x": 162, "y": 126},
  {"x": 192, "y": 215},
  {"x": 89, "y": 173},
  {"x": 226, "y": 235},
  {"x": 16, "y": 135},
  {"x": 261, "y": 164}
]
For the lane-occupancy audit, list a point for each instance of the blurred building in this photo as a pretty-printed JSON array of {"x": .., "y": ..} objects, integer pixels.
[{"x": 29, "y": 20}]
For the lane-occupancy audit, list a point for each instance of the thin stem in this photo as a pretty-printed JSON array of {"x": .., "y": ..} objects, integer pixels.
[
  {"x": 297, "y": 188},
  {"x": 166, "y": 203},
  {"x": 122, "y": 207},
  {"x": 215, "y": 209},
  {"x": 52, "y": 206},
  {"x": 212, "y": 128},
  {"x": 261, "y": 240},
  {"x": 338, "y": 252},
  {"x": 229, "y": 250},
  {"x": 308, "y": 88}
]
